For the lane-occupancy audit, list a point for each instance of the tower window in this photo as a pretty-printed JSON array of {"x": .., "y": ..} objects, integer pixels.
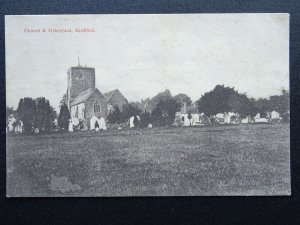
[{"x": 97, "y": 108}]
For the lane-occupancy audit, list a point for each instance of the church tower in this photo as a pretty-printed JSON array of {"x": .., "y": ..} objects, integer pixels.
[{"x": 80, "y": 79}]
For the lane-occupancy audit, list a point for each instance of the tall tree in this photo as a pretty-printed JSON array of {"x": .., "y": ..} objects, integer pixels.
[
  {"x": 26, "y": 112},
  {"x": 44, "y": 114},
  {"x": 63, "y": 118},
  {"x": 63, "y": 99}
]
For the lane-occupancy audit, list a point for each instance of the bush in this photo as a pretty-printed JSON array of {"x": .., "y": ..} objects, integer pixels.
[{"x": 146, "y": 118}]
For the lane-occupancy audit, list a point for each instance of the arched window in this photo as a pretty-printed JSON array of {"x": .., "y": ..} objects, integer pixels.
[{"x": 97, "y": 108}]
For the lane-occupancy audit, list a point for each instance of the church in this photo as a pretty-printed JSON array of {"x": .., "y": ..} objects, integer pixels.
[{"x": 84, "y": 100}]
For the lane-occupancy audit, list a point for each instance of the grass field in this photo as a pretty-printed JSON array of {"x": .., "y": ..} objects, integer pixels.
[{"x": 223, "y": 160}]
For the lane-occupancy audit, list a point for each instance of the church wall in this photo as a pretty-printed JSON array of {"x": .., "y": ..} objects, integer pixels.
[
  {"x": 118, "y": 99},
  {"x": 89, "y": 109},
  {"x": 78, "y": 111}
]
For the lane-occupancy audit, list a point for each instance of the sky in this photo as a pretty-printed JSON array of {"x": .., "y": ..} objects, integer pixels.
[{"x": 142, "y": 55}]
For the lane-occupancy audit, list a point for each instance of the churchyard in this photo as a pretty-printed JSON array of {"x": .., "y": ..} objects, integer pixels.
[{"x": 211, "y": 160}]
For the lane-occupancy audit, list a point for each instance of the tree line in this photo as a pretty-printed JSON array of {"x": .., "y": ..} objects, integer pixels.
[
  {"x": 159, "y": 110},
  {"x": 226, "y": 99},
  {"x": 34, "y": 113}
]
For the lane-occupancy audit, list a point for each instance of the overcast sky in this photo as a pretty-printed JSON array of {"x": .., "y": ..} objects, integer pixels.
[{"x": 142, "y": 55}]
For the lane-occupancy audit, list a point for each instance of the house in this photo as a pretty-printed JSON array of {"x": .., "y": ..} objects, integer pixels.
[
  {"x": 115, "y": 98},
  {"x": 84, "y": 100}
]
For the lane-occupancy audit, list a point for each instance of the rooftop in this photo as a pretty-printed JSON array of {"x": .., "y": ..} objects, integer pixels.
[{"x": 83, "y": 96}]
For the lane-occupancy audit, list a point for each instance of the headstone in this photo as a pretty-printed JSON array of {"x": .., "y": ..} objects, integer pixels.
[
  {"x": 93, "y": 122},
  {"x": 227, "y": 118},
  {"x": 70, "y": 126},
  {"x": 75, "y": 121},
  {"x": 257, "y": 116},
  {"x": 10, "y": 127},
  {"x": 196, "y": 118},
  {"x": 275, "y": 115},
  {"x": 131, "y": 124},
  {"x": 149, "y": 125},
  {"x": 102, "y": 124},
  {"x": 11, "y": 121},
  {"x": 220, "y": 116},
  {"x": 186, "y": 121},
  {"x": 245, "y": 120},
  {"x": 261, "y": 120},
  {"x": 19, "y": 127}
]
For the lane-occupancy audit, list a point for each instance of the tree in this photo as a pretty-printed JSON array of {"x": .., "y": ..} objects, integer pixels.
[
  {"x": 225, "y": 99},
  {"x": 144, "y": 104},
  {"x": 280, "y": 103},
  {"x": 181, "y": 98},
  {"x": 146, "y": 118},
  {"x": 149, "y": 104},
  {"x": 63, "y": 99},
  {"x": 165, "y": 110},
  {"x": 129, "y": 110},
  {"x": 162, "y": 96},
  {"x": 262, "y": 105},
  {"x": 63, "y": 118},
  {"x": 26, "y": 112},
  {"x": 244, "y": 106},
  {"x": 44, "y": 114},
  {"x": 115, "y": 116}
]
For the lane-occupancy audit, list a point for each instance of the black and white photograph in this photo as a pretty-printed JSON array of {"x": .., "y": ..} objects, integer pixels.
[{"x": 147, "y": 105}]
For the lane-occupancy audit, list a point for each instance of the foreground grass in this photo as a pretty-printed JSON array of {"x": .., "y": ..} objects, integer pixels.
[{"x": 223, "y": 160}]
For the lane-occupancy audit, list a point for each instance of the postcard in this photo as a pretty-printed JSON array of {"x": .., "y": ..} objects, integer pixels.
[{"x": 147, "y": 105}]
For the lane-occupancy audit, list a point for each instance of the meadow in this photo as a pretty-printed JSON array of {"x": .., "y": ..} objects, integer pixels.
[{"x": 248, "y": 159}]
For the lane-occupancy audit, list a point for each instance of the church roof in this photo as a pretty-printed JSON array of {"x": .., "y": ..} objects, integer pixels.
[
  {"x": 83, "y": 96},
  {"x": 109, "y": 94}
]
